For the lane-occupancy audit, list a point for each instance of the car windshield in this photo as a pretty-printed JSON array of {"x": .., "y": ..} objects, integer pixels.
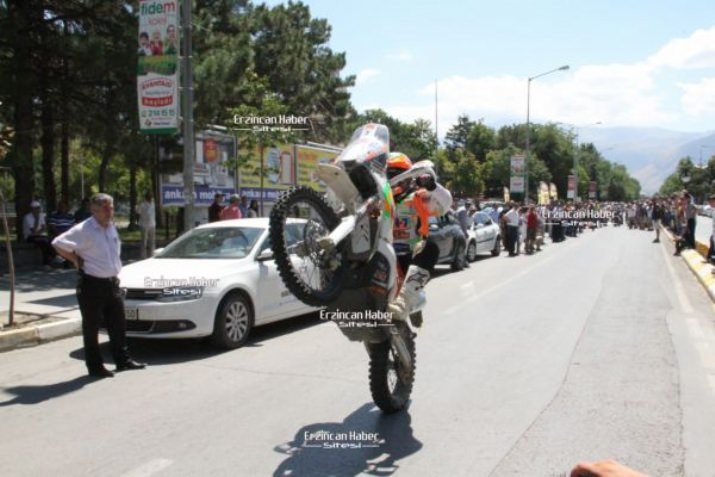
[{"x": 214, "y": 242}]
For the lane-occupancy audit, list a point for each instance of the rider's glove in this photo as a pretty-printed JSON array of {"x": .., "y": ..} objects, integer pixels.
[{"x": 427, "y": 181}]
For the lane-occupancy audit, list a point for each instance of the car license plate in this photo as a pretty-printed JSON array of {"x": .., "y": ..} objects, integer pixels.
[{"x": 131, "y": 313}]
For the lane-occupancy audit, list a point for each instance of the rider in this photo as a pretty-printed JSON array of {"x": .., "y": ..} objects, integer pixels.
[{"x": 416, "y": 253}]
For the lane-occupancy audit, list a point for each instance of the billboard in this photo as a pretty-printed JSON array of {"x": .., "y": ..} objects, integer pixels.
[
  {"x": 213, "y": 171},
  {"x": 518, "y": 165},
  {"x": 157, "y": 66},
  {"x": 273, "y": 173},
  {"x": 592, "y": 190},
  {"x": 308, "y": 157},
  {"x": 571, "y": 190}
]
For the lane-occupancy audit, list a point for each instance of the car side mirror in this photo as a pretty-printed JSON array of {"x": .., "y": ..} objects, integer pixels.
[
  {"x": 265, "y": 255},
  {"x": 157, "y": 251}
]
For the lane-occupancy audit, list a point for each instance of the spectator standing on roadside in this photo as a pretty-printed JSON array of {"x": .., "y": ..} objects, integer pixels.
[
  {"x": 462, "y": 215},
  {"x": 532, "y": 223},
  {"x": 243, "y": 206},
  {"x": 657, "y": 214},
  {"x": 253, "y": 209},
  {"x": 34, "y": 229},
  {"x": 147, "y": 222},
  {"x": 215, "y": 208},
  {"x": 93, "y": 246},
  {"x": 511, "y": 219},
  {"x": 690, "y": 215},
  {"x": 233, "y": 210}
]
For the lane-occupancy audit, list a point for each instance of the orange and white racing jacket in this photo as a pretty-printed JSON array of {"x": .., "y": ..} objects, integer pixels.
[{"x": 412, "y": 217}]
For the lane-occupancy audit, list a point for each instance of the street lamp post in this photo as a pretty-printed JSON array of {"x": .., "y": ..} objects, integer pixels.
[
  {"x": 575, "y": 157},
  {"x": 702, "y": 146},
  {"x": 528, "y": 128}
]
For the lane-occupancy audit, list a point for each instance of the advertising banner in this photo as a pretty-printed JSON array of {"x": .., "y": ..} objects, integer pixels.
[
  {"x": 277, "y": 167},
  {"x": 592, "y": 190},
  {"x": 518, "y": 165},
  {"x": 507, "y": 196},
  {"x": 516, "y": 184},
  {"x": 157, "y": 69},
  {"x": 571, "y": 191},
  {"x": 212, "y": 171},
  {"x": 308, "y": 158},
  {"x": 543, "y": 193}
]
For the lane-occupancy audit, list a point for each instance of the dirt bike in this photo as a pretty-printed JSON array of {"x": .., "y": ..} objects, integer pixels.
[{"x": 334, "y": 250}]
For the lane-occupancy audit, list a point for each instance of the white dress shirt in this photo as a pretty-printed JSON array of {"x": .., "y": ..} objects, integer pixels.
[
  {"x": 512, "y": 218},
  {"x": 98, "y": 247},
  {"x": 29, "y": 222}
]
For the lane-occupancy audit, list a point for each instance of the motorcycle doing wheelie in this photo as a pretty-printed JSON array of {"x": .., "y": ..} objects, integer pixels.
[{"x": 335, "y": 251}]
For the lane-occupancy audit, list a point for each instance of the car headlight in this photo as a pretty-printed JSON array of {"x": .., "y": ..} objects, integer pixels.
[{"x": 181, "y": 293}]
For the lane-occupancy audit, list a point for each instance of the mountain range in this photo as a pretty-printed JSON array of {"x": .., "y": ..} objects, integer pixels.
[{"x": 649, "y": 154}]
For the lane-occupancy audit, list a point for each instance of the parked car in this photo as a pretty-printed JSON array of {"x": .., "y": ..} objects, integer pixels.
[
  {"x": 447, "y": 234},
  {"x": 219, "y": 280},
  {"x": 483, "y": 237}
]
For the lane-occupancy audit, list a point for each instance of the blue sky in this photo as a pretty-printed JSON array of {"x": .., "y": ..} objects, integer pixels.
[{"x": 632, "y": 63}]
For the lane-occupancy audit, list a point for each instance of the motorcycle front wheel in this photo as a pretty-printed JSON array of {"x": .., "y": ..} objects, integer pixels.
[
  {"x": 390, "y": 383},
  {"x": 298, "y": 222}
]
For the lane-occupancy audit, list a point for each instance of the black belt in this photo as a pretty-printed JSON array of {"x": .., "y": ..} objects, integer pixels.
[{"x": 110, "y": 280}]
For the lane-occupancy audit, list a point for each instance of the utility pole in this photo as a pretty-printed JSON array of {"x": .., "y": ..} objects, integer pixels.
[{"x": 188, "y": 115}]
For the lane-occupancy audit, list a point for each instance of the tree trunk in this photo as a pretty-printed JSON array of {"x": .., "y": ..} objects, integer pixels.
[
  {"x": 64, "y": 141},
  {"x": 21, "y": 14},
  {"x": 48, "y": 149}
]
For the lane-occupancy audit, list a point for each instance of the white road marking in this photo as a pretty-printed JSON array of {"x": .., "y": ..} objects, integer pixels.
[
  {"x": 683, "y": 299},
  {"x": 149, "y": 468}
]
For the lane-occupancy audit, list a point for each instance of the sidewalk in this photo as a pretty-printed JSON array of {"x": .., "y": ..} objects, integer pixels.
[
  {"x": 695, "y": 259},
  {"x": 45, "y": 308}
]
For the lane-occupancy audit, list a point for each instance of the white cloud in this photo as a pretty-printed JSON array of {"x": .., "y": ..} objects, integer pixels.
[
  {"x": 698, "y": 99},
  {"x": 366, "y": 75},
  {"x": 696, "y": 51}
]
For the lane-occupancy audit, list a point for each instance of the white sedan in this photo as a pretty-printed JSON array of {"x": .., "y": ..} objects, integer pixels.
[
  {"x": 218, "y": 280},
  {"x": 483, "y": 237}
]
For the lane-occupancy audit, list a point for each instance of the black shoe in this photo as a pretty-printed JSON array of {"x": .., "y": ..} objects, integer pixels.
[
  {"x": 101, "y": 373},
  {"x": 130, "y": 364},
  {"x": 656, "y": 241},
  {"x": 676, "y": 254}
]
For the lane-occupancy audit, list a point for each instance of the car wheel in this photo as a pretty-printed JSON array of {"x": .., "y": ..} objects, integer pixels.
[
  {"x": 233, "y": 323},
  {"x": 472, "y": 252},
  {"x": 497, "y": 247},
  {"x": 459, "y": 258}
]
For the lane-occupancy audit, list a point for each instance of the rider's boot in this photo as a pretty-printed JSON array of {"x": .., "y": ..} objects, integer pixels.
[{"x": 411, "y": 296}]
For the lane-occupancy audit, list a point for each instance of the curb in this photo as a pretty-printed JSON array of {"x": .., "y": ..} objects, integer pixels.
[
  {"x": 695, "y": 259},
  {"x": 37, "y": 334}
]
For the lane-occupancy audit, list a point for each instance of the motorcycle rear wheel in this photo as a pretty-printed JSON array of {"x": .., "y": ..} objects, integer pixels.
[
  {"x": 315, "y": 283},
  {"x": 390, "y": 385}
]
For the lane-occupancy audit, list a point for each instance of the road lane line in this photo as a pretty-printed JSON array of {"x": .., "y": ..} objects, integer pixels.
[
  {"x": 149, "y": 468},
  {"x": 683, "y": 299}
]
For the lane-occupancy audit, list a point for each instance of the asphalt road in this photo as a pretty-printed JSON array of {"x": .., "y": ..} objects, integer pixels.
[{"x": 598, "y": 347}]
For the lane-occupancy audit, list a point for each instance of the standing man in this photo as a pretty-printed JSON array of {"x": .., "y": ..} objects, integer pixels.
[
  {"x": 657, "y": 214},
  {"x": 93, "y": 246},
  {"x": 147, "y": 222},
  {"x": 243, "y": 206},
  {"x": 511, "y": 219},
  {"x": 215, "y": 208}
]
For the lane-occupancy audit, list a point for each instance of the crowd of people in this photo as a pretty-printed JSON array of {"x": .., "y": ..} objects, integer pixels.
[{"x": 237, "y": 208}]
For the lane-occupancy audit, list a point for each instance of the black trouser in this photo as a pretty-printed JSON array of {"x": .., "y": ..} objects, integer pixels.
[
  {"x": 100, "y": 300},
  {"x": 690, "y": 236},
  {"x": 512, "y": 236},
  {"x": 711, "y": 250}
]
